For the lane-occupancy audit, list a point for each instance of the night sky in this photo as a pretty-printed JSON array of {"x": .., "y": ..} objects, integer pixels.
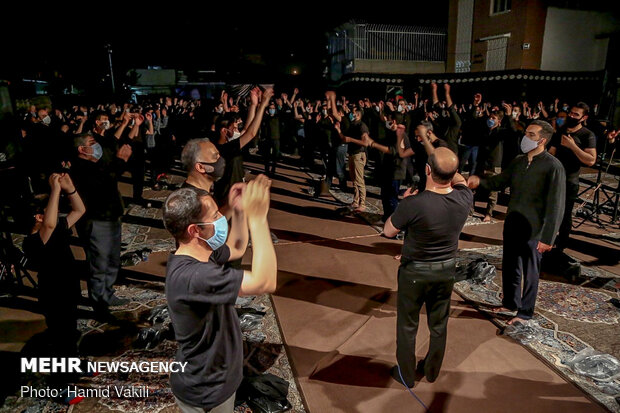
[{"x": 276, "y": 37}]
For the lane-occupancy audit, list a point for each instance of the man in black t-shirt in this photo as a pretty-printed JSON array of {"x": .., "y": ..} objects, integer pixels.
[
  {"x": 432, "y": 221},
  {"x": 230, "y": 149},
  {"x": 96, "y": 171},
  {"x": 425, "y": 143},
  {"x": 48, "y": 249},
  {"x": 201, "y": 292},
  {"x": 574, "y": 145}
]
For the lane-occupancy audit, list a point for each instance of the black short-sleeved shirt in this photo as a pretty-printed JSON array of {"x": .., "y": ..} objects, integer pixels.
[
  {"x": 433, "y": 223},
  {"x": 233, "y": 171},
  {"x": 584, "y": 138},
  {"x": 53, "y": 257},
  {"x": 201, "y": 298},
  {"x": 355, "y": 131}
]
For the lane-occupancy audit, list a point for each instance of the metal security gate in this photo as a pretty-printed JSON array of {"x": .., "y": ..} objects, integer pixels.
[{"x": 496, "y": 53}]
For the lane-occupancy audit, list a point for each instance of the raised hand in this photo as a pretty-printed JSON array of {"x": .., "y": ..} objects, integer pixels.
[
  {"x": 124, "y": 152},
  {"x": 508, "y": 109},
  {"x": 473, "y": 182},
  {"x": 266, "y": 97},
  {"x": 330, "y": 95},
  {"x": 255, "y": 200},
  {"x": 568, "y": 141},
  {"x": 254, "y": 96},
  {"x": 235, "y": 196},
  {"x": 66, "y": 184},
  {"x": 446, "y": 87},
  {"x": 54, "y": 181}
]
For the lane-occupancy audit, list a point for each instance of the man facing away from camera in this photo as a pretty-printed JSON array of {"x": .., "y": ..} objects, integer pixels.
[
  {"x": 433, "y": 221},
  {"x": 201, "y": 292}
]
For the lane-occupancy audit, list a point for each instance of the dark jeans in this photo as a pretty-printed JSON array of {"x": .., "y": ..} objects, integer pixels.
[
  {"x": 137, "y": 165},
  {"x": 417, "y": 286},
  {"x": 389, "y": 197},
  {"x": 272, "y": 154},
  {"x": 521, "y": 260},
  {"x": 572, "y": 191},
  {"x": 469, "y": 154},
  {"x": 102, "y": 242}
]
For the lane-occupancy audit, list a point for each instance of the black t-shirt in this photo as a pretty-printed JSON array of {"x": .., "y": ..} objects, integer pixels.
[
  {"x": 433, "y": 223},
  {"x": 584, "y": 138},
  {"x": 201, "y": 298},
  {"x": 355, "y": 131},
  {"x": 55, "y": 256},
  {"x": 233, "y": 171},
  {"x": 97, "y": 183}
]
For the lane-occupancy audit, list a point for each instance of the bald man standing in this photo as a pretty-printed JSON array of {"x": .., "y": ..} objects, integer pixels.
[{"x": 433, "y": 221}]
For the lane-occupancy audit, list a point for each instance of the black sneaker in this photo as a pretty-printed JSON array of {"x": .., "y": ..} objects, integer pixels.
[
  {"x": 395, "y": 373},
  {"x": 117, "y": 301}
]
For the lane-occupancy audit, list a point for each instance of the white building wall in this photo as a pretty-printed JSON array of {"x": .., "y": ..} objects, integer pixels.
[{"x": 570, "y": 43}]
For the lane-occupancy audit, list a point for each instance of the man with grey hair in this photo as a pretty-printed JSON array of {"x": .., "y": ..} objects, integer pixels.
[
  {"x": 537, "y": 189},
  {"x": 203, "y": 164}
]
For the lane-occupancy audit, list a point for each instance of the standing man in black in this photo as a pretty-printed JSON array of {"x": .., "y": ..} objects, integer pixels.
[
  {"x": 95, "y": 172},
  {"x": 432, "y": 221},
  {"x": 574, "y": 145},
  {"x": 537, "y": 191}
]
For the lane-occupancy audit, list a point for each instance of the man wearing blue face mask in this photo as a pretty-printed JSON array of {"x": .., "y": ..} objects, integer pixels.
[
  {"x": 537, "y": 189},
  {"x": 201, "y": 291},
  {"x": 500, "y": 129},
  {"x": 95, "y": 173}
]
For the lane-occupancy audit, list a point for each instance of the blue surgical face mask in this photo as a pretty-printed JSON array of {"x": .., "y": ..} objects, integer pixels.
[
  {"x": 221, "y": 233},
  {"x": 351, "y": 116},
  {"x": 490, "y": 123},
  {"x": 97, "y": 151},
  {"x": 272, "y": 112},
  {"x": 559, "y": 122}
]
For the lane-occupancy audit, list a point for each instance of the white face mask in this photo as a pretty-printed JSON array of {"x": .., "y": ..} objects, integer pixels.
[
  {"x": 46, "y": 120},
  {"x": 528, "y": 145},
  {"x": 400, "y": 108},
  {"x": 235, "y": 135},
  {"x": 388, "y": 124},
  {"x": 105, "y": 124}
]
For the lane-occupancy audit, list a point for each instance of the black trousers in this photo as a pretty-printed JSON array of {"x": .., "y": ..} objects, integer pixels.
[
  {"x": 520, "y": 261},
  {"x": 102, "y": 241},
  {"x": 59, "y": 294},
  {"x": 572, "y": 191},
  {"x": 271, "y": 153},
  {"x": 419, "y": 285}
]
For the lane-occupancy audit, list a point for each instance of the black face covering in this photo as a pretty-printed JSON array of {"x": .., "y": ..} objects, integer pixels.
[
  {"x": 218, "y": 168},
  {"x": 571, "y": 122}
]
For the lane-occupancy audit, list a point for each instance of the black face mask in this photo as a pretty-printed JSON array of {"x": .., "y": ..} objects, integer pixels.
[
  {"x": 218, "y": 168},
  {"x": 572, "y": 122}
]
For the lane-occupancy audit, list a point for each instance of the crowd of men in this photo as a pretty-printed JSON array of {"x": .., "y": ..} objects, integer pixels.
[{"x": 426, "y": 144}]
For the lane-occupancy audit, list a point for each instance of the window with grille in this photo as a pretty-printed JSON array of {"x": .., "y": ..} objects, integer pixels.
[{"x": 500, "y": 6}]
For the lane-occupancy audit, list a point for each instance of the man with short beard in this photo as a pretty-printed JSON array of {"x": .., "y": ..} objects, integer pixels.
[{"x": 574, "y": 145}]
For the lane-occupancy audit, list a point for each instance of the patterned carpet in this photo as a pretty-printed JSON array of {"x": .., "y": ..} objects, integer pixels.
[
  {"x": 565, "y": 317},
  {"x": 263, "y": 349}
]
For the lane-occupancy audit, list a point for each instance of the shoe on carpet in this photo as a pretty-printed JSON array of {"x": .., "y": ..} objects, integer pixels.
[
  {"x": 117, "y": 301},
  {"x": 395, "y": 373}
]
